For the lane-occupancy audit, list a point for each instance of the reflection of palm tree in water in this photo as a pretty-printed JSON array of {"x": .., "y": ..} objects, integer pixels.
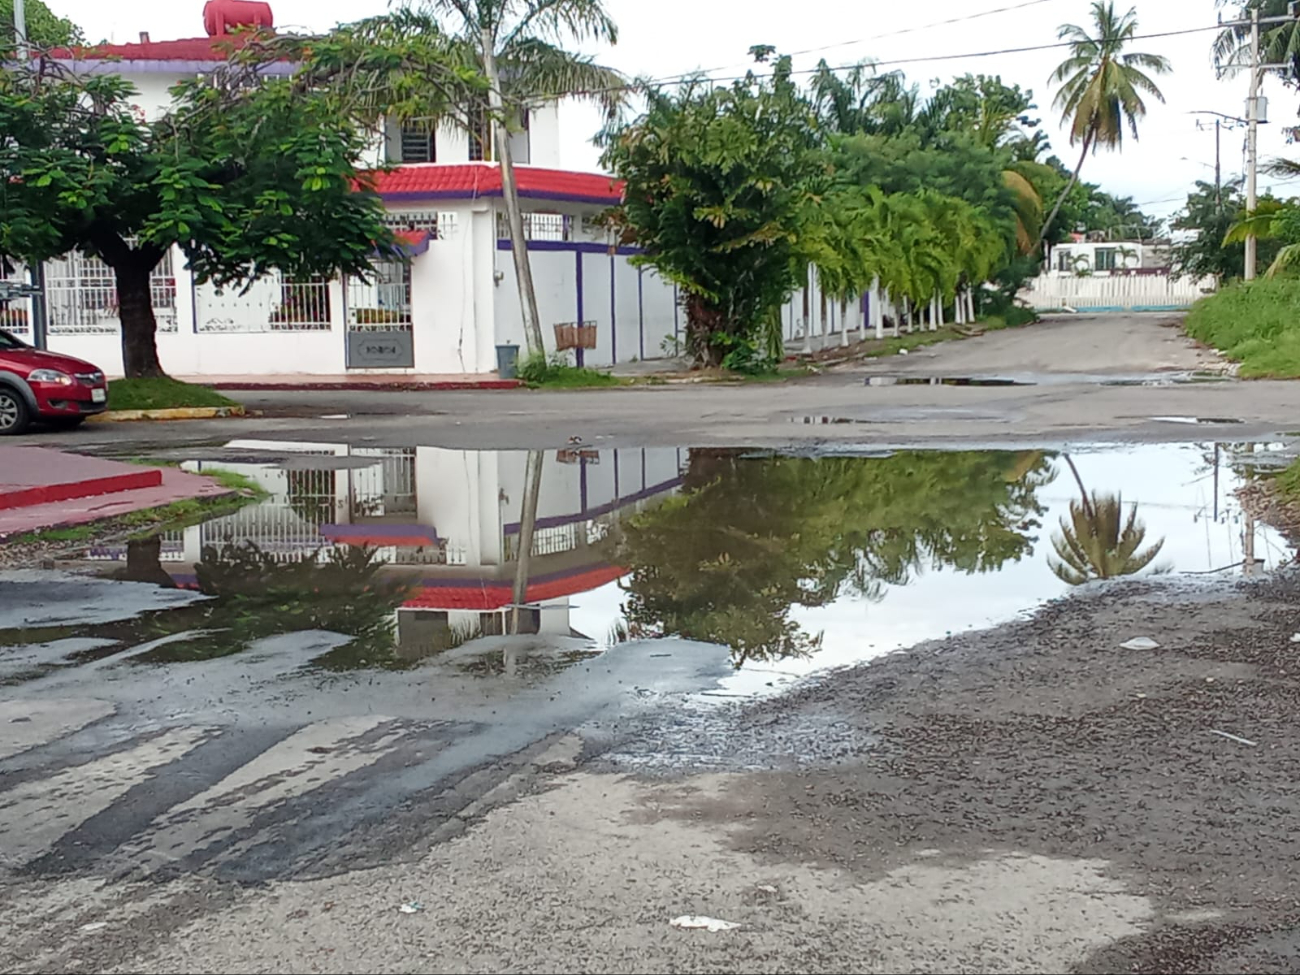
[{"x": 1097, "y": 541}]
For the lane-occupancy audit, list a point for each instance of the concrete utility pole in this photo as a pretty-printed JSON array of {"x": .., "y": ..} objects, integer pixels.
[
  {"x": 509, "y": 190},
  {"x": 1252, "y": 142},
  {"x": 20, "y": 28}
]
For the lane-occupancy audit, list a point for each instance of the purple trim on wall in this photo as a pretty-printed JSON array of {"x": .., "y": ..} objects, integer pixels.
[
  {"x": 555, "y": 521},
  {"x": 578, "y": 355},
  {"x": 155, "y": 66},
  {"x": 469, "y": 194},
  {"x": 613, "y": 333},
  {"x": 581, "y": 246},
  {"x": 640, "y": 313}
]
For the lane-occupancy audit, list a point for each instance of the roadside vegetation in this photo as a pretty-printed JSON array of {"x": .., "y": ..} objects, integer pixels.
[
  {"x": 162, "y": 393},
  {"x": 1254, "y": 323},
  {"x": 539, "y": 371}
]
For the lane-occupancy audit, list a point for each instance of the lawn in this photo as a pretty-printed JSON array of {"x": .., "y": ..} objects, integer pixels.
[
  {"x": 1256, "y": 324},
  {"x": 163, "y": 393}
]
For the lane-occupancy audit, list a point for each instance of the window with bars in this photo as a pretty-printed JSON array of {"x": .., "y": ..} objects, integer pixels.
[
  {"x": 418, "y": 144},
  {"x": 1105, "y": 259},
  {"x": 539, "y": 226},
  {"x": 480, "y": 135}
]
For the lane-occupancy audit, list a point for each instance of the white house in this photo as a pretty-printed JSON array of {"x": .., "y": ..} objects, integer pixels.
[
  {"x": 1083, "y": 257},
  {"x": 445, "y": 312}
]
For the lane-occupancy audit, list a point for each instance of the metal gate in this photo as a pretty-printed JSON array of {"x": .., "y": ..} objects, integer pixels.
[
  {"x": 380, "y": 333},
  {"x": 81, "y": 295}
]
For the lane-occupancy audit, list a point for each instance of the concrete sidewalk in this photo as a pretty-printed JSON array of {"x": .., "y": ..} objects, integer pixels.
[{"x": 366, "y": 380}]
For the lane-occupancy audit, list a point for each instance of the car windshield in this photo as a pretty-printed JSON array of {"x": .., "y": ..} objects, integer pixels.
[{"x": 10, "y": 342}]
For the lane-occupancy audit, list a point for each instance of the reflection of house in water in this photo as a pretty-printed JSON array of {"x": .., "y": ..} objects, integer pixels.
[{"x": 447, "y": 522}]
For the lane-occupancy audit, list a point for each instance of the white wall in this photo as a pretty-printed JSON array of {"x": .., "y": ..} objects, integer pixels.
[
  {"x": 544, "y": 136},
  {"x": 1153, "y": 292}
]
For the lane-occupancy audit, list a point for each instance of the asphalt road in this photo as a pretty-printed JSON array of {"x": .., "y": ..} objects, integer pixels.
[{"x": 1088, "y": 378}]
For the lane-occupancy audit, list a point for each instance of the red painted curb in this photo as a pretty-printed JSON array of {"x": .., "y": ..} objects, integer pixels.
[
  {"x": 66, "y": 491},
  {"x": 491, "y": 384}
]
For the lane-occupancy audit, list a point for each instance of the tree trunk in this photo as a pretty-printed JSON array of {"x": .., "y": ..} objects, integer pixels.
[
  {"x": 527, "y": 529},
  {"x": 1074, "y": 178},
  {"x": 1083, "y": 491},
  {"x": 844, "y": 319},
  {"x": 703, "y": 322},
  {"x": 144, "y": 562},
  {"x": 135, "y": 312}
]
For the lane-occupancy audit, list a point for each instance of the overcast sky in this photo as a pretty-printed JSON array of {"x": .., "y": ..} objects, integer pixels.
[{"x": 668, "y": 37}]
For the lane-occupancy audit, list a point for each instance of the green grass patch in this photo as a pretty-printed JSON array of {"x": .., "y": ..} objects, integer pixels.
[
  {"x": 162, "y": 393},
  {"x": 149, "y": 521},
  {"x": 1255, "y": 323},
  {"x": 234, "y": 481},
  {"x": 540, "y": 372},
  {"x": 1288, "y": 483}
]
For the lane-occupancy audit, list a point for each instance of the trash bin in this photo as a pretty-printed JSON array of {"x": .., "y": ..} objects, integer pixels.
[{"x": 507, "y": 361}]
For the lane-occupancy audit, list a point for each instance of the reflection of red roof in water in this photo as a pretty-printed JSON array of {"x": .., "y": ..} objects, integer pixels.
[{"x": 463, "y": 594}]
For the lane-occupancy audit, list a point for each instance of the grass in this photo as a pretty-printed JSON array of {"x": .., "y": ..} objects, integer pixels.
[
  {"x": 162, "y": 393},
  {"x": 1288, "y": 483},
  {"x": 539, "y": 372},
  {"x": 1256, "y": 324}
]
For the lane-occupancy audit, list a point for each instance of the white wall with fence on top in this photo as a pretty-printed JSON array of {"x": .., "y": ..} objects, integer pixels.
[{"x": 1128, "y": 292}]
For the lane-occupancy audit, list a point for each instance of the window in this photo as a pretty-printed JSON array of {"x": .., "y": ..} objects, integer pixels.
[
  {"x": 1064, "y": 260},
  {"x": 418, "y": 144},
  {"x": 1104, "y": 259},
  {"x": 480, "y": 134}
]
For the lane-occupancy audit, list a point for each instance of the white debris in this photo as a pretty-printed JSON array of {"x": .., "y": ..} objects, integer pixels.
[
  {"x": 700, "y": 921},
  {"x": 1295, "y": 637},
  {"x": 1140, "y": 643},
  {"x": 93, "y": 926},
  {"x": 411, "y": 907},
  {"x": 1238, "y": 740}
]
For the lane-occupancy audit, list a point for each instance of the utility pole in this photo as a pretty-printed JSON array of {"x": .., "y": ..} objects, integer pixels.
[
  {"x": 37, "y": 271},
  {"x": 509, "y": 190},
  {"x": 1252, "y": 142},
  {"x": 1218, "y": 165}
]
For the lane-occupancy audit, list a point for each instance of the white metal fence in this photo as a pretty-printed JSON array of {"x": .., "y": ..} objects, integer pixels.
[
  {"x": 384, "y": 302},
  {"x": 16, "y": 315},
  {"x": 81, "y": 295},
  {"x": 270, "y": 304},
  {"x": 1125, "y": 292}
]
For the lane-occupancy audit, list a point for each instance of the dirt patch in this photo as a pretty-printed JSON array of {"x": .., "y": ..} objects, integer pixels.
[{"x": 1047, "y": 738}]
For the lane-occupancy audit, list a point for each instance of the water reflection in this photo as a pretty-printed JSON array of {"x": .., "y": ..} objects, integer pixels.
[
  {"x": 747, "y": 541},
  {"x": 516, "y": 564}
]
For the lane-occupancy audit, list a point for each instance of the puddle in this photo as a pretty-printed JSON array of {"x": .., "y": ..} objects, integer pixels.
[
  {"x": 370, "y": 559},
  {"x": 1194, "y": 420},
  {"x": 944, "y": 381}
]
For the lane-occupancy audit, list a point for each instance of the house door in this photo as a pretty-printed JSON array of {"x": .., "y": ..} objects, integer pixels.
[{"x": 379, "y": 332}]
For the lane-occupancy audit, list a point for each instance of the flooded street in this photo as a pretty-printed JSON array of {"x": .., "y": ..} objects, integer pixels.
[{"x": 514, "y": 710}]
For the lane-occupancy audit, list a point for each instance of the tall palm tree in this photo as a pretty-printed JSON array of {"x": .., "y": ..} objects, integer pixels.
[
  {"x": 1272, "y": 220},
  {"x": 1098, "y": 542},
  {"x": 1102, "y": 86},
  {"x": 519, "y": 46},
  {"x": 1278, "y": 43}
]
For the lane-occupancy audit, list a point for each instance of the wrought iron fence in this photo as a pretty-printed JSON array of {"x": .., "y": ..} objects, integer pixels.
[
  {"x": 270, "y": 304},
  {"x": 16, "y": 314},
  {"x": 539, "y": 226},
  {"x": 81, "y": 295},
  {"x": 384, "y": 302}
]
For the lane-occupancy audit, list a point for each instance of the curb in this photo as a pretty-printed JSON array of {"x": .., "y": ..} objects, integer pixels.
[
  {"x": 181, "y": 413},
  {"x": 378, "y": 387}
]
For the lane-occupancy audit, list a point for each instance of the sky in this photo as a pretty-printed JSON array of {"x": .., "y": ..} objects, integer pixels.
[{"x": 670, "y": 37}]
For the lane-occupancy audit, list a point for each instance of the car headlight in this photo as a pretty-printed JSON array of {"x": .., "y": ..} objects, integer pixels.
[{"x": 50, "y": 376}]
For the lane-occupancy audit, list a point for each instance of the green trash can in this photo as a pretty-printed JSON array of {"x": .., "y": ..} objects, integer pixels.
[{"x": 507, "y": 361}]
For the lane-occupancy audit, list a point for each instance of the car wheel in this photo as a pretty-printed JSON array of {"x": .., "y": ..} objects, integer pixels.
[
  {"x": 65, "y": 422},
  {"x": 15, "y": 417}
]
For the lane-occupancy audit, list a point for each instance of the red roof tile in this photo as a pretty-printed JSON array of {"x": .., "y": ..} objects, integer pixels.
[
  {"x": 469, "y": 180},
  {"x": 187, "y": 49},
  {"x": 494, "y": 595}
]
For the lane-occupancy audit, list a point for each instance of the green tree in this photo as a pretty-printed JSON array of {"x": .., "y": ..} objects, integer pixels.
[
  {"x": 247, "y": 174},
  {"x": 45, "y": 29},
  {"x": 1102, "y": 85},
  {"x": 1209, "y": 214},
  {"x": 1273, "y": 222},
  {"x": 719, "y": 184}
]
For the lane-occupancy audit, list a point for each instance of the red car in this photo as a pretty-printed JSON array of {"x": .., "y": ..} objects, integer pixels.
[{"x": 46, "y": 387}]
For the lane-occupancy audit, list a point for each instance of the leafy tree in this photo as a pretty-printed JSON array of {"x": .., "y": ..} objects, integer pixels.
[
  {"x": 1276, "y": 222},
  {"x": 1102, "y": 85},
  {"x": 719, "y": 183},
  {"x": 246, "y": 173},
  {"x": 748, "y": 540},
  {"x": 1210, "y": 213},
  {"x": 45, "y": 29}
]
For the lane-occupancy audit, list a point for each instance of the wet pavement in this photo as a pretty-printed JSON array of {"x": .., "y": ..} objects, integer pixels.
[{"x": 361, "y": 666}]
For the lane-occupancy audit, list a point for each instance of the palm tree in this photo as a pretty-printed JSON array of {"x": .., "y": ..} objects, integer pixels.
[
  {"x": 1271, "y": 220},
  {"x": 1098, "y": 542},
  {"x": 1102, "y": 87},
  {"x": 518, "y": 46},
  {"x": 1278, "y": 43}
]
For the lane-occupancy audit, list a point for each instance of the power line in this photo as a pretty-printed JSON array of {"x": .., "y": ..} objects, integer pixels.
[
  {"x": 924, "y": 59},
  {"x": 876, "y": 37}
]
